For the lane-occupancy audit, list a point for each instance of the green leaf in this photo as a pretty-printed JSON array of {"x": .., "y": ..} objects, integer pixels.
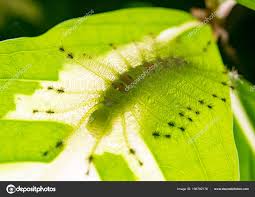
[
  {"x": 120, "y": 172},
  {"x": 244, "y": 127},
  {"x": 153, "y": 102},
  {"x": 248, "y": 3}
]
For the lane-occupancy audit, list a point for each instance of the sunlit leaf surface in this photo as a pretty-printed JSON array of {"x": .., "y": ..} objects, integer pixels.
[{"x": 144, "y": 89}]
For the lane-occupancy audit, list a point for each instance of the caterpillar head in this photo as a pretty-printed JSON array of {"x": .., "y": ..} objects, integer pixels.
[{"x": 100, "y": 121}]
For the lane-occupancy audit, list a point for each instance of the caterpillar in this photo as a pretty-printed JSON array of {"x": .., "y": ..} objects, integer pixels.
[{"x": 136, "y": 80}]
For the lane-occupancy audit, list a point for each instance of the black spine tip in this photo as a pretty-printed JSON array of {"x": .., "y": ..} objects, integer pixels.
[
  {"x": 131, "y": 151},
  {"x": 61, "y": 49},
  {"x": 190, "y": 119},
  {"x": 112, "y": 45},
  {"x": 35, "y": 111},
  {"x": 59, "y": 144},
  {"x": 167, "y": 136},
  {"x": 224, "y": 100},
  {"x": 201, "y": 102},
  {"x": 171, "y": 124},
  {"x": 224, "y": 83},
  {"x": 70, "y": 55},
  {"x": 189, "y": 108},
  {"x": 155, "y": 134},
  {"x": 210, "y": 106},
  {"x": 61, "y": 90},
  {"x": 181, "y": 114},
  {"x": 50, "y": 112},
  {"x": 90, "y": 158},
  {"x": 232, "y": 87},
  {"x": 182, "y": 129}
]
